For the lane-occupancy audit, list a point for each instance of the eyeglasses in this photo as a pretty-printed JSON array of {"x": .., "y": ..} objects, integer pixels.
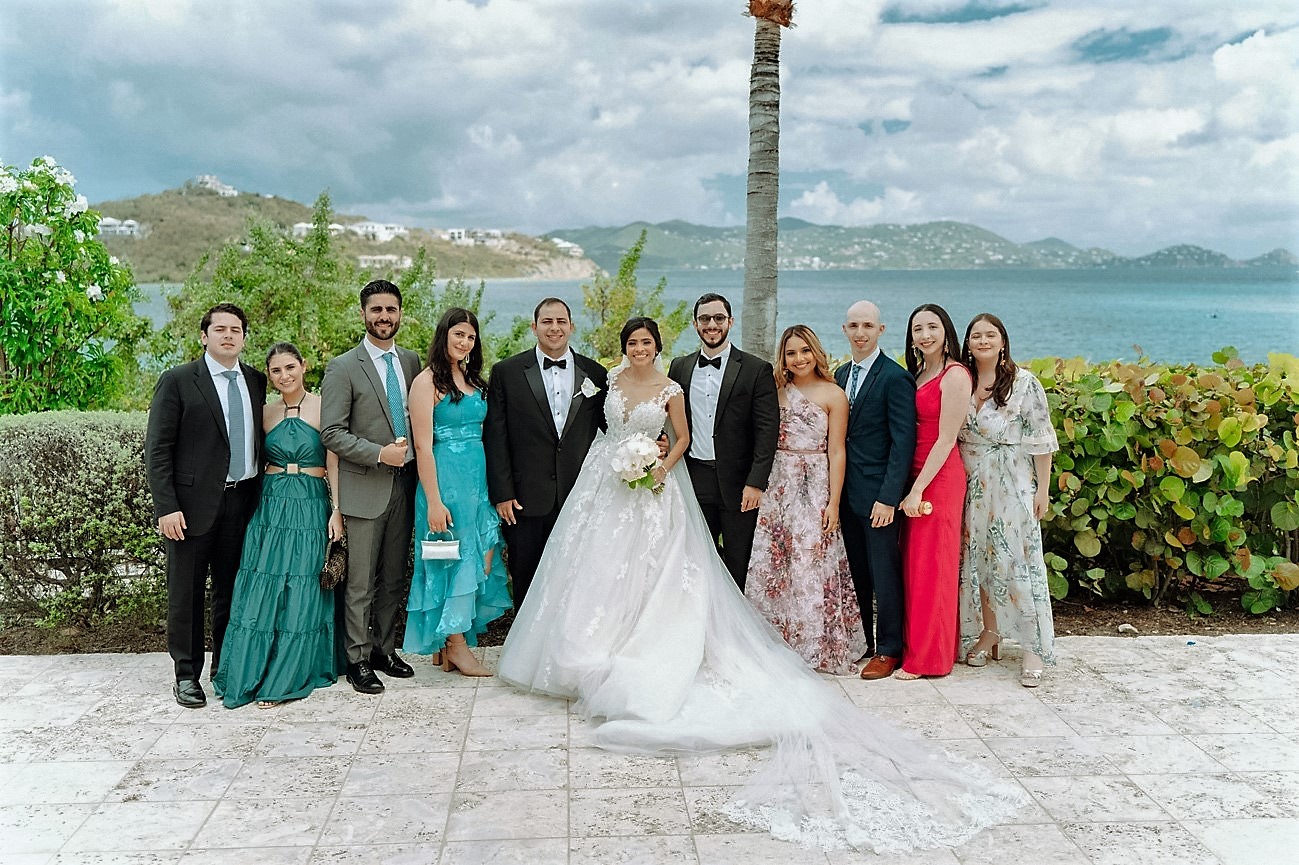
[{"x": 713, "y": 319}]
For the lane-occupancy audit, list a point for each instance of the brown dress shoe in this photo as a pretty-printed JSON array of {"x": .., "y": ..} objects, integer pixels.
[{"x": 879, "y": 667}]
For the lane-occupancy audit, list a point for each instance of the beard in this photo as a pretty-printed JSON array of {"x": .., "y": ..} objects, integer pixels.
[{"x": 375, "y": 329}]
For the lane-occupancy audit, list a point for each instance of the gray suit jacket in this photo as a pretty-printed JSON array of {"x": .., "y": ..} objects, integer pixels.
[{"x": 355, "y": 424}]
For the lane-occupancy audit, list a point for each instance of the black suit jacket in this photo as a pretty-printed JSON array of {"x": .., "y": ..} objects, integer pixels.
[
  {"x": 187, "y": 449},
  {"x": 747, "y": 425},
  {"x": 526, "y": 459},
  {"x": 881, "y": 435}
]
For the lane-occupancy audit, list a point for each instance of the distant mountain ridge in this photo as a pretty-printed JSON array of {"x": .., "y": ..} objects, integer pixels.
[
  {"x": 926, "y": 246},
  {"x": 179, "y": 226}
]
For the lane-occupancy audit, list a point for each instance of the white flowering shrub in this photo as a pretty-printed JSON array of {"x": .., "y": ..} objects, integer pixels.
[{"x": 68, "y": 333}]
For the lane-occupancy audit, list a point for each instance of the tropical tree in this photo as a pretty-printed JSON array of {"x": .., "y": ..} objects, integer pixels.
[
  {"x": 758, "y": 318},
  {"x": 609, "y": 301},
  {"x": 68, "y": 333}
]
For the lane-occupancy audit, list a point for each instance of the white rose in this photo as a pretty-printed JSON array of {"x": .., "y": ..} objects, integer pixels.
[{"x": 589, "y": 389}]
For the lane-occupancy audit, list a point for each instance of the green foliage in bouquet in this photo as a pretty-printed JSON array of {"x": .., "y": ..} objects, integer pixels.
[
  {"x": 78, "y": 542},
  {"x": 1173, "y": 477}
]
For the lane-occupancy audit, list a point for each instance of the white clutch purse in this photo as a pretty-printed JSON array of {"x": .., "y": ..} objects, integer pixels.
[{"x": 442, "y": 545}]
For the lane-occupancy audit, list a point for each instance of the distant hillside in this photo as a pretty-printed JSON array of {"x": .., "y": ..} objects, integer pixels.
[
  {"x": 927, "y": 246},
  {"x": 179, "y": 226}
]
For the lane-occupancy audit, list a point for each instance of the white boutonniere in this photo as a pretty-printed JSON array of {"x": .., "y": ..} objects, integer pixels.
[{"x": 588, "y": 388}]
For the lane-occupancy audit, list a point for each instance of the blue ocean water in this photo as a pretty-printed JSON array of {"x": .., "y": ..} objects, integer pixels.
[{"x": 1172, "y": 315}]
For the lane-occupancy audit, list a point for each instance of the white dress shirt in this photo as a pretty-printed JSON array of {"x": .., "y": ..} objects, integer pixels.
[
  {"x": 865, "y": 364},
  {"x": 381, "y": 366},
  {"x": 705, "y": 386},
  {"x": 559, "y": 386},
  {"x": 222, "y": 388}
]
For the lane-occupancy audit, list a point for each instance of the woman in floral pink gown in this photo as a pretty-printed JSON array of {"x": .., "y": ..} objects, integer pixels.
[{"x": 798, "y": 575}]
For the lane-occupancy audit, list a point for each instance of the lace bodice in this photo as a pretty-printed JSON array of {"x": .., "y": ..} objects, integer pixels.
[{"x": 646, "y": 417}]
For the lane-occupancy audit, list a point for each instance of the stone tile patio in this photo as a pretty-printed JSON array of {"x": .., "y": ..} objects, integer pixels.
[{"x": 1146, "y": 750}]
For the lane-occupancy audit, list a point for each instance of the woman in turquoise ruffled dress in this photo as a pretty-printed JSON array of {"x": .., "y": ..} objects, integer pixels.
[
  {"x": 280, "y": 642},
  {"x": 452, "y": 601}
]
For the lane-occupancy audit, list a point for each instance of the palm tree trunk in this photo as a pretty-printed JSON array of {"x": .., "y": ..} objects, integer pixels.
[{"x": 758, "y": 317}]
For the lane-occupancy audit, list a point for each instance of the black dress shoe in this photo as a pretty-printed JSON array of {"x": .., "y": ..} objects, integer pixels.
[
  {"x": 391, "y": 665},
  {"x": 189, "y": 693},
  {"x": 363, "y": 679}
]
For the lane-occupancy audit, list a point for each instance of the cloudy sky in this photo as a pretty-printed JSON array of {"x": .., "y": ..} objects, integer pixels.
[{"x": 1127, "y": 125}]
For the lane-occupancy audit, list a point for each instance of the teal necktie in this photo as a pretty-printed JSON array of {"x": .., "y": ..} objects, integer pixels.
[
  {"x": 852, "y": 383},
  {"x": 235, "y": 425},
  {"x": 395, "y": 407}
]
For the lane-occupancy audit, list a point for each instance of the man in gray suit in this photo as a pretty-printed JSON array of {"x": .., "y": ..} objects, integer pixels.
[{"x": 364, "y": 419}]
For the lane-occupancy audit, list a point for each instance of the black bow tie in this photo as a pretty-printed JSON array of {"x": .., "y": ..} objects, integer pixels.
[
  {"x": 715, "y": 363},
  {"x": 562, "y": 363}
]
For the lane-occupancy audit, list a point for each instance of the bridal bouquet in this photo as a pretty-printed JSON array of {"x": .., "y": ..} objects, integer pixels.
[{"x": 635, "y": 460}]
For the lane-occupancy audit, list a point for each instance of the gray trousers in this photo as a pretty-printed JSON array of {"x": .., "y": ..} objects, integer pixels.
[{"x": 377, "y": 580}]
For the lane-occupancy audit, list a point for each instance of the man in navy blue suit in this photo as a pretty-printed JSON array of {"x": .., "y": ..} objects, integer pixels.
[{"x": 881, "y": 443}]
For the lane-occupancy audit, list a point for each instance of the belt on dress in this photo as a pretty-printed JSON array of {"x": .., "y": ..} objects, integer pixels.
[
  {"x": 798, "y": 451},
  {"x": 294, "y": 469}
]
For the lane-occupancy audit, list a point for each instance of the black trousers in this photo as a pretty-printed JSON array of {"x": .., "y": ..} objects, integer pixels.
[
  {"x": 189, "y": 562},
  {"x": 875, "y": 560},
  {"x": 525, "y": 542},
  {"x": 731, "y": 528}
]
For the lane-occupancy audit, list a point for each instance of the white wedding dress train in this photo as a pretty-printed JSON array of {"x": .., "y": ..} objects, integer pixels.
[{"x": 634, "y": 615}]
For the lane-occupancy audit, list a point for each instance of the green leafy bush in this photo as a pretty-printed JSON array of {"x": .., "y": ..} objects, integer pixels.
[
  {"x": 78, "y": 542},
  {"x": 1173, "y": 477}
]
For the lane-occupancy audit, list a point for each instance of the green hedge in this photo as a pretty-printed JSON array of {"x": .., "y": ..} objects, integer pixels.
[
  {"x": 1169, "y": 478},
  {"x": 1173, "y": 477},
  {"x": 78, "y": 542}
]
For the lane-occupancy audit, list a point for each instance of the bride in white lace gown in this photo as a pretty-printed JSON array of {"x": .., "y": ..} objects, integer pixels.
[{"x": 633, "y": 614}]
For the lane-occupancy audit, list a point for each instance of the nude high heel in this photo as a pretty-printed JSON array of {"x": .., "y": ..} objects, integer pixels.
[
  {"x": 980, "y": 658},
  {"x": 463, "y": 660}
]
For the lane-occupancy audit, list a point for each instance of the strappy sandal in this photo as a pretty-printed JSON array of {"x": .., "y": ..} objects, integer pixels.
[{"x": 980, "y": 658}]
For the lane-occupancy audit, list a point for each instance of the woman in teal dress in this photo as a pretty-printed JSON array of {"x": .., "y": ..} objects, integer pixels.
[
  {"x": 452, "y": 600},
  {"x": 280, "y": 642}
]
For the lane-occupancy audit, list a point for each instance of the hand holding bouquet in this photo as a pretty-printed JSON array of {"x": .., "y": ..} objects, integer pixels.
[{"x": 635, "y": 461}]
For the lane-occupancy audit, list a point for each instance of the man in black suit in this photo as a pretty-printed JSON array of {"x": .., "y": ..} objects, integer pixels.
[
  {"x": 544, "y": 407},
  {"x": 881, "y": 443},
  {"x": 203, "y": 456},
  {"x": 734, "y": 417}
]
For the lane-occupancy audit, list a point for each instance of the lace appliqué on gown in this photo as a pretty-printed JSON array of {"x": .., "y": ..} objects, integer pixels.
[{"x": 633, "y": 615}]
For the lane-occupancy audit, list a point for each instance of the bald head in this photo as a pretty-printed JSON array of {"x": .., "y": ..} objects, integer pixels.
[{"x": 863, "y": 328}]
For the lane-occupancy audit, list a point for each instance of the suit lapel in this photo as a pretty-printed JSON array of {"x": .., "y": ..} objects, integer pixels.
[
  {"x": 532, "y": 372},
  {"x": 380, "y": 388},
  {"x": 692, "y": 363},
  {"x": 579, "y": 376},
  {"x": 865, "y": 388},
  {"x": 729, "y": 376},
  {"x": 203, "y": 381}
]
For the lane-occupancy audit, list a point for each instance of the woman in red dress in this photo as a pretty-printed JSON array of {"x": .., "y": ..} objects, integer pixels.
[{"x": 931, "y": 539}]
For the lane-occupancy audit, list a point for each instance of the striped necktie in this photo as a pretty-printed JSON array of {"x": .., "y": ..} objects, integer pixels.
[{"x": 852, "y": 383}]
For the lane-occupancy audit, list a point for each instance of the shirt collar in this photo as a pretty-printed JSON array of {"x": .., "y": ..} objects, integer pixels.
[
  {"x": 866, "y": 362},
  {"x": 374, "y": 351},
  {"x": 216, "y": 369},
  {"x": 542, "y": 357},
  {"x": 724, "y": 354}
]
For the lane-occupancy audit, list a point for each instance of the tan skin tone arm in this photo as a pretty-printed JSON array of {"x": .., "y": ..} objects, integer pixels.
[
  {"x": 956, "y": 389},
  {"x": 422, "y": 399},
  {"x": 837, "y": 455},
  {"x": 676, "y": 410}
]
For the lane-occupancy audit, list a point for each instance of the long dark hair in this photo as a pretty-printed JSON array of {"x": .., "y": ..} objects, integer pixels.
[
  {"x": 1006, "y": 367},
  {"x": 951, "y": 348},
  {"x": 439, "y": 362}
]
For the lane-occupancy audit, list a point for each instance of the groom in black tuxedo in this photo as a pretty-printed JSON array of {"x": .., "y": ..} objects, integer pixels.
[
  {"x": 544, "y": 407},
  {"x": 734, "y": 418},
  {"x": 881, "y": 442},
  {"x": 203, "y": 457}
]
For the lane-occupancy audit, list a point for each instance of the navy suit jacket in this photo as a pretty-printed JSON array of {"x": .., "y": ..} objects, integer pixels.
[{"x": 881, "y": 435}]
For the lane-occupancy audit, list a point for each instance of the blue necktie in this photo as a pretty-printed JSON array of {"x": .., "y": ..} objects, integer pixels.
[
  {"x": 235, "y": 425},
  {"x": 852, "y": 383},
  {"x": 395, "y": 407}
]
